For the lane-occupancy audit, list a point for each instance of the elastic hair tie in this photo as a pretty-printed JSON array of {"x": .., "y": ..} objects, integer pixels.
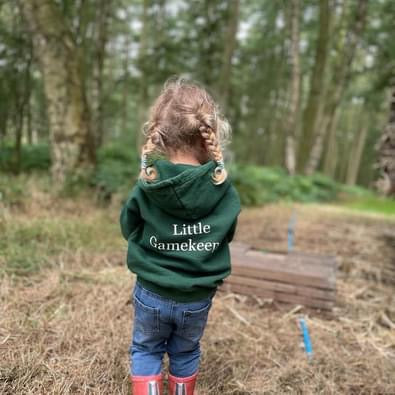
[
  {"x": 149, "y": 171},
  {"x": 143, "y": 162},
  {"x": 219, "y": 175},
  {"x": 220, "y": 164}
]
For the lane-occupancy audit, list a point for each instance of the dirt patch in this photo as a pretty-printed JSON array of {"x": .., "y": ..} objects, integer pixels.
[{"x": 66, "y": 330}]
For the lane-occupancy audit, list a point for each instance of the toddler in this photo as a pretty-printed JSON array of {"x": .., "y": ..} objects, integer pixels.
[{"x": 178, "y": 221}]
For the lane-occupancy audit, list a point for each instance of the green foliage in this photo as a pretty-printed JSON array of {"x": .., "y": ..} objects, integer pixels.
[
  {"x": 117, "y": 166},
  {"x": 76, "y": 183},
  {"x": 259, "y": 185},
  {"x": 33, "y": 158},
  {"x": 356, "y": 192}
]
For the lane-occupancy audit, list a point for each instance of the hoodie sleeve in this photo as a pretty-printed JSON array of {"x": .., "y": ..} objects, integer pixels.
[
  {"x": 130, "y": 218},
  {"x": 231, "y": 231},
  {"x": 235, "y": 199}
]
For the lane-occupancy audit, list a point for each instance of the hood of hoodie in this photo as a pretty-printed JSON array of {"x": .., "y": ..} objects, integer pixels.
[{"x": 184, "y": 191}]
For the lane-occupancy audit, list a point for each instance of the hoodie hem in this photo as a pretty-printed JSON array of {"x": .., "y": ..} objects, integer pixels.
[{"x": 176, "y": 295}]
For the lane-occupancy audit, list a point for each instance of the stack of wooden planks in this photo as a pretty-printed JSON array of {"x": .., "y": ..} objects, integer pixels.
[{"x": 297, "y": 278}]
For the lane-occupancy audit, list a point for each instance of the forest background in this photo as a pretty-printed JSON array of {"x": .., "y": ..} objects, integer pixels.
[{"x": 306, "y": 85}]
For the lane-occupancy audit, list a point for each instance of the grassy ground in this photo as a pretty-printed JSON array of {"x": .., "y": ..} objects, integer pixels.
[
  {"x": 65, "y": 315},
  {"x": 373, "y": 205}
]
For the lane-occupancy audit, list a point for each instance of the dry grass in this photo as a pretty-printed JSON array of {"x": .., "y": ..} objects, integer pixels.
[{"x": 66, "y": 329}]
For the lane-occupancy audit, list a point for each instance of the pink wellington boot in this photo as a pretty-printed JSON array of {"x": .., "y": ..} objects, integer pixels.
[
  {"x": 147, "y": 385},
  {"x": 182, "y": 385}
]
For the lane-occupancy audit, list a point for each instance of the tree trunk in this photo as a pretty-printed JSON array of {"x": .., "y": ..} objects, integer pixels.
[
  {"x": 22, "y": 102},
  {"x": 29, "y": 124},
  {"x": 290, "y": 159},
  {"x": 386, "y": 151},
  {"x": 3, "y": 126},
  {"x": 104, "y": 8},
  {"x": 18, "y": 140},
  {"x": 230, "y": 44},
  {"x": 332, "y": 148},
  {"x": 126, "y": 88},
  {"x": 338, "y": 84},
  {"x": 317, "y": 86},
  {"x": 143, "y": 91},
  {"x": 72, "y": 145},
  {"x": 356, "y": 154}
]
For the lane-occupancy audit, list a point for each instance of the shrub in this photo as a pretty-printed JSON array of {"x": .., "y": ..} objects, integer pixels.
[
  {"x": 33, "y": 158},
  {"x": 117, "y": 167},
  {"x": 259, "y": 185}
]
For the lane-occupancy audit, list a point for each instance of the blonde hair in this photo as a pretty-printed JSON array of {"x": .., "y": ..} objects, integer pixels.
[{"x": 182, "y": 118}]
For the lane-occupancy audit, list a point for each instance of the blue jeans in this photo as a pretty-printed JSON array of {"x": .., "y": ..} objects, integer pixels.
[{"x": 162, "y": 325}]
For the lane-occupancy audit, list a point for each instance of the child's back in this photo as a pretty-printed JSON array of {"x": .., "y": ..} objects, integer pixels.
[{"x": 179, "y": 249}]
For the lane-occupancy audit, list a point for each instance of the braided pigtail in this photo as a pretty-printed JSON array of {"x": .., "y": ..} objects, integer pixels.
[
  {"x": 209, "y": 136},
  {"x": 154, "y": 143},
  {"x": 147, "y": 173}
]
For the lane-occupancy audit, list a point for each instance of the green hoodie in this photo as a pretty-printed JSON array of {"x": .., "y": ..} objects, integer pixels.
[{"x": 178, "y": 229}]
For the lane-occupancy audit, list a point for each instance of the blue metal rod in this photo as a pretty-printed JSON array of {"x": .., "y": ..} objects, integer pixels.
[
  {"x": 291, "y": 231},
  {"x": 306, "y": 338}
]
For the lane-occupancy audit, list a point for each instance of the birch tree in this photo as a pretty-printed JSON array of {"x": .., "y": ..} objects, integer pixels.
[
  {"x": 290, "y": 157},
  {"x": 356, "y": 152},
  {"x": 101, "y": 38},
  {"x": 142, "y": 63}
]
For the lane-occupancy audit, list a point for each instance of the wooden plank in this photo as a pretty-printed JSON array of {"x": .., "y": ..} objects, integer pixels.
[
  {"x": 316, "y": 259},
  {"x": 279, "y": 296},
  {"x": 283, "y": 287},
  {"x": 281, "y": 270},
  {"x": 295, "y": 262},
  {"x": 237, "y": 247}
]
